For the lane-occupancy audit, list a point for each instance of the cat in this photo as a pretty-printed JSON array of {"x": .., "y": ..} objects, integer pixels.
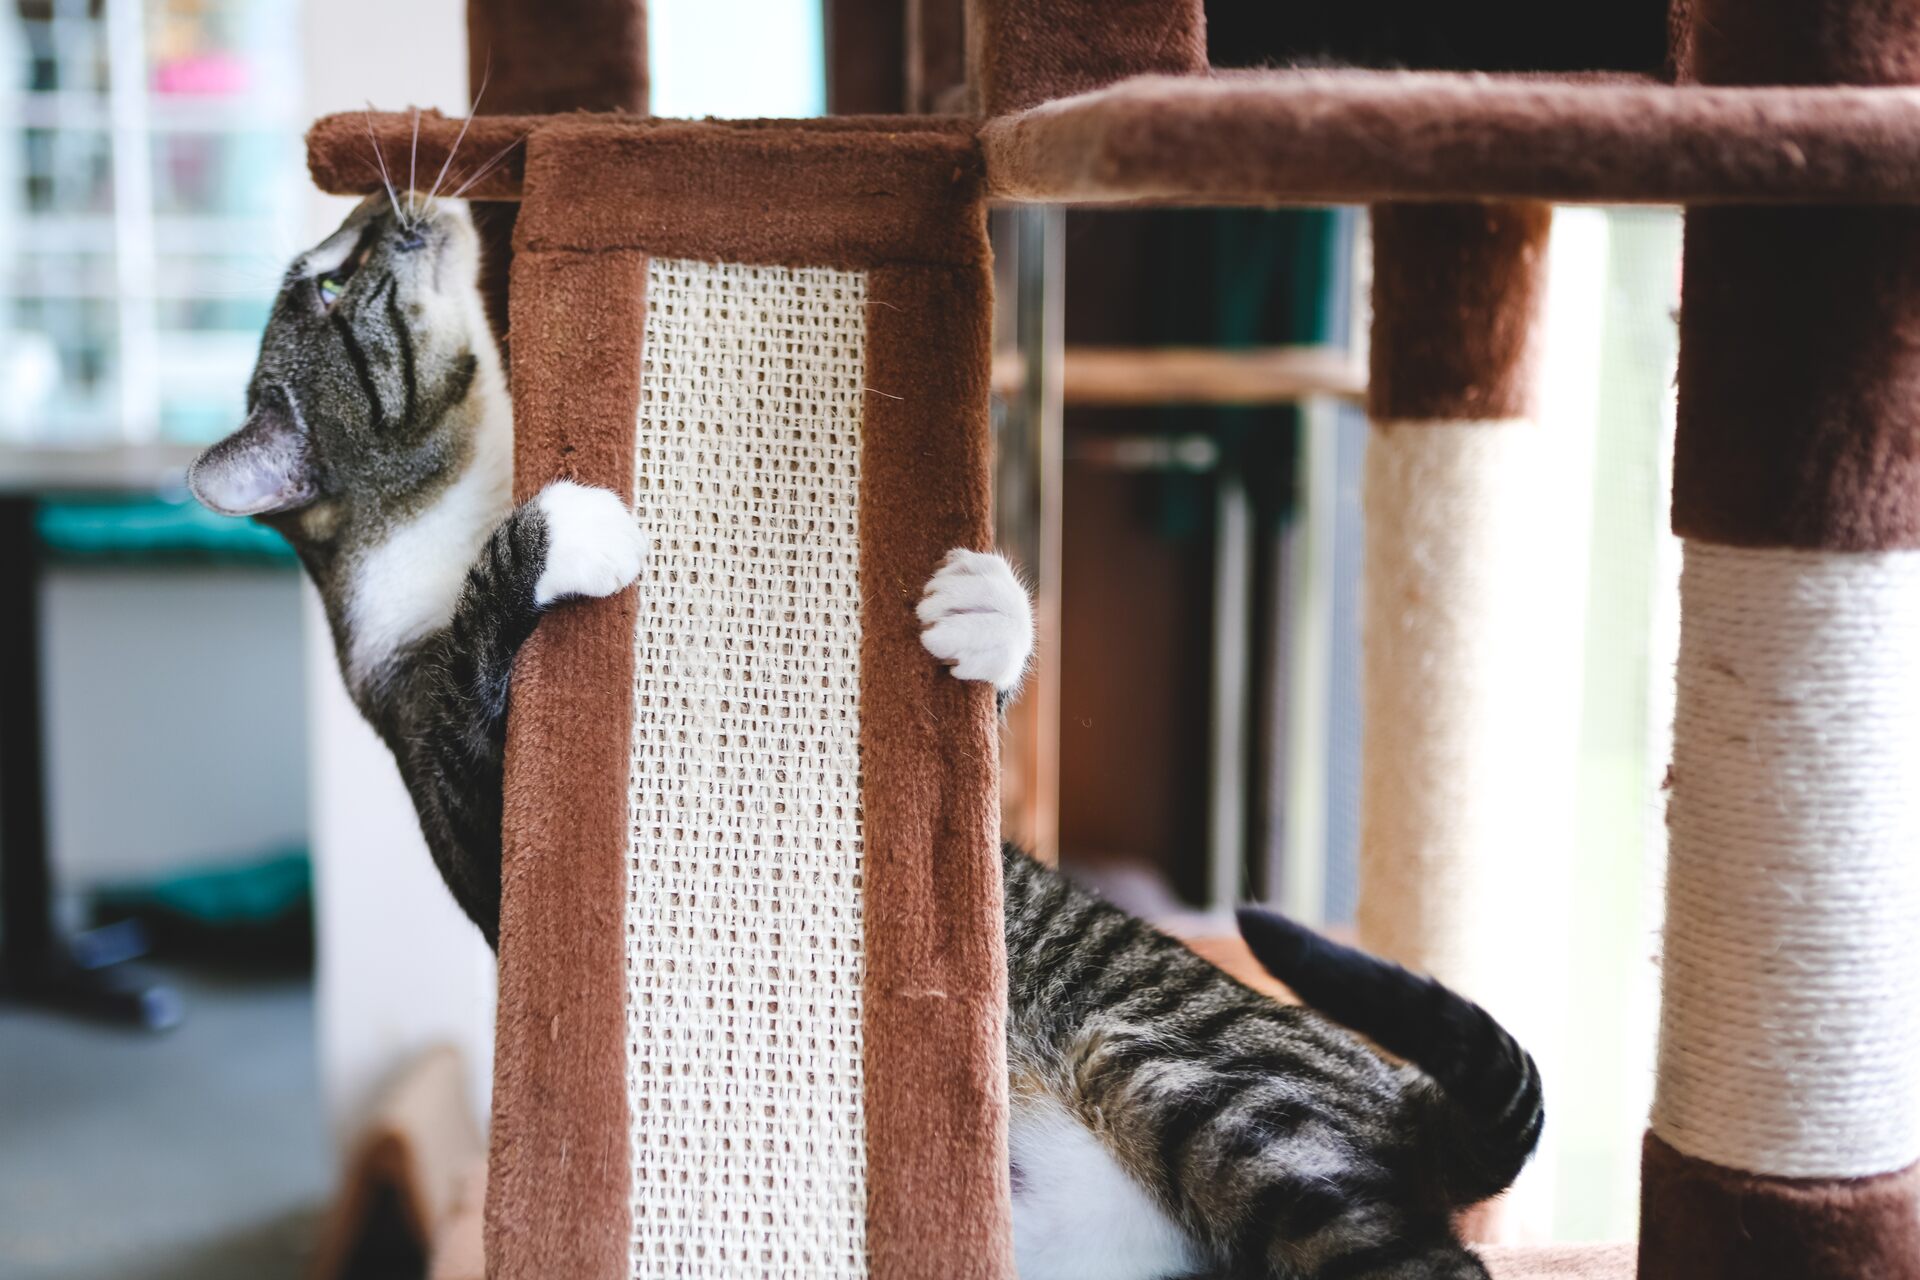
[{"x": 1167, "y": 1121}]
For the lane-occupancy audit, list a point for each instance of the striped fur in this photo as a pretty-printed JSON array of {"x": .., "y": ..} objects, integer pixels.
[
  {"x": 1278, "y": 1142},
  {"x": 379, "y": 443},
  {"x": 1167, "y": 1120}
]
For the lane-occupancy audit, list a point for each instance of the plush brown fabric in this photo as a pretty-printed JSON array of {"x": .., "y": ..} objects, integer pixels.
[
  {"x": 340, "y": 154},
  {"x": 1025, "y": 52},
  {"x": 1800, "y": 328},
  {"x": 544, "y": 56},
  {"x": 540, "y": 56},
  {"x": 1804, "y": 41},
  {"x": 561, "y": 1171},
  {"x": 824, "y": 196},
  {"x": 1457, "y": 291},
  {"x": 866, "y": 43},
  {"x": 935, "y": 994},
  {"x": 905, "y": 203},
  {"x": 937, "y": 56},
  {"x": 1559, "y": 1262},
  {"x": 1701, "y": 1222},
  {"x": 1295, "y": 137},
  {"x": 1799, "y": 417},
  {"x": 344, "y": 152}
]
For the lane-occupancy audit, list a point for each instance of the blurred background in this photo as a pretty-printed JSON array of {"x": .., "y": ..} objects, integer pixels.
[{"x": 236, "y": 942}]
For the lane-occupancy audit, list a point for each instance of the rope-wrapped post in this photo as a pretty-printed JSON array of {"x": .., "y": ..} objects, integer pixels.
[
  {"x": 1785, "y": 1134},
  {"x": 1460, "y": 761}
]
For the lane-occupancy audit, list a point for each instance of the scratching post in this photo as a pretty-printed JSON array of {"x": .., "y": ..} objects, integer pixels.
[
  {"x": 1453, "y": 767},
  {"x": 751, "y": 960},
  {"x": 750, "y": 1016},
  {"x": 1786, "y": 1121}
]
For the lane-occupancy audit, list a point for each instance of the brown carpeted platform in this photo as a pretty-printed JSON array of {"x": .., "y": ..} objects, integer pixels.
[
  {"x": 457, "y": 1254},
  {"x": 1294, "y": 137}
]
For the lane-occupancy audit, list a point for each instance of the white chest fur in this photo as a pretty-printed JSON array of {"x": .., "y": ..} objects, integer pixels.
[
  {"x": 1076, "y": 1213},
  {"x": 406, "y": 587}
]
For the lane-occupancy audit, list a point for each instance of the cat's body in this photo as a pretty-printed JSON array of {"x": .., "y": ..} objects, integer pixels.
[{"x": 1166, "y": 1120}]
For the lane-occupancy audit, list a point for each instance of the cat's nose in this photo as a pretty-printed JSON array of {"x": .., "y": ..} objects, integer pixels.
[{"x": 410, "y": 240}]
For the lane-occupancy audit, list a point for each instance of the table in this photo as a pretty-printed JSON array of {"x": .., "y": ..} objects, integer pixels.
[{"x": 39, "y": 965}]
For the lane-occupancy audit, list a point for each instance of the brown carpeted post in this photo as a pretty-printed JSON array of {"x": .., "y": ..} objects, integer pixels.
[
  {"x": 866, "y": 48},
  {"x": 1024, "y": 52},
  {"x": 1466, "y": 758},
  {"x": 537, "y": 57},
  {"x": 1785, "y": 1132}
]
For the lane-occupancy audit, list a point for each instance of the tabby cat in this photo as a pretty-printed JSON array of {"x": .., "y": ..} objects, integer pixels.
[{"x": 1167, "y": 1120}]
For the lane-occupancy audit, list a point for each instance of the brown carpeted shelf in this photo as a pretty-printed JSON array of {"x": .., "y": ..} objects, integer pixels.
[
  {"x": 1342, "y": 137},
  {"x": 1311, "y": 137}
]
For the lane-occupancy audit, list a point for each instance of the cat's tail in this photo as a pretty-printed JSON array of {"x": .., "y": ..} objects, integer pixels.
[{"x": 1488, "y": 1104}]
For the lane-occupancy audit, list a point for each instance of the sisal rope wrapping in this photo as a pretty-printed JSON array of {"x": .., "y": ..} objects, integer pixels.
[
  {"x": 744, "y": 937},
  {"x": 1790, "y": 1031},
  {"x": 1466, "y": 778}
]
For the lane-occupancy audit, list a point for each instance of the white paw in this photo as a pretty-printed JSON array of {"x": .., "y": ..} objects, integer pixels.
[
  {"x": 977, "y": 619},
  {"x": 594, "y": 543}
]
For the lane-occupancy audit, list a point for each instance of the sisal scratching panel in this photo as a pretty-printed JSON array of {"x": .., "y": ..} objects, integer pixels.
[
  {"x": 744, "y": 938},
  {"x": 752, "y": 957}
]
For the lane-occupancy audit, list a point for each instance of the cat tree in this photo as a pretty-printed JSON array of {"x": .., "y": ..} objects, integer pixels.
[{"x": 751, "y": 963}]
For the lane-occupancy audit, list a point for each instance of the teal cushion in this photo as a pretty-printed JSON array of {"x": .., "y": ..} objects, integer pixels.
[{"x": 150, "y": 529}]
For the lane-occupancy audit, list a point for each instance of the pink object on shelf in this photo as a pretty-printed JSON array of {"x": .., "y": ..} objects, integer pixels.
[{"x": 207, "y": 73}]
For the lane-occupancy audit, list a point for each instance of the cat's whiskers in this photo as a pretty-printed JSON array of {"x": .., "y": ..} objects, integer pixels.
[
  {"x": 392, "y": 199},
  {"x": 413, "y": 161},
  {"x": 487, "y": 168},
  {"x": 486, "y": 73}
]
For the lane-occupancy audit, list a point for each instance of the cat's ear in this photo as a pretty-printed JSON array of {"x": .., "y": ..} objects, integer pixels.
[{"x": 262, "y": 468}]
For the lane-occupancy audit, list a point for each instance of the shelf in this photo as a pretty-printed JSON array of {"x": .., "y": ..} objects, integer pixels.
[
  {"x": 155, "y": 468},
  {"x": 1135, "y": 376},
  {"x": 164, "y": 113},
  {"x": 1348, "y": 137},
  {"x": 1559, "y": 1262}
]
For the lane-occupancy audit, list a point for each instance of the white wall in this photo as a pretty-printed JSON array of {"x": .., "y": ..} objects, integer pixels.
[
  {"x": 175, "y": 725},
  {"x": 399, "y": 967}
]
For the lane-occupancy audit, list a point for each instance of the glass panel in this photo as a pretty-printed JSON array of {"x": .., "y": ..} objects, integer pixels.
[
  {"x": 57, "y": 369},
  {"x": 142, "y": 227}
]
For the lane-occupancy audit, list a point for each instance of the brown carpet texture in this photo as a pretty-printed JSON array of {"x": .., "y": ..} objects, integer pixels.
[
  {"x": 1702, "y": 1222},
  {"x": 1024, "y": 52},
  {"x": 528, "y": 58},
  {"x": 557, "y": 1197},
  {"x": 1327, "y": 137},
  {"x": 1457, "y": 291}
]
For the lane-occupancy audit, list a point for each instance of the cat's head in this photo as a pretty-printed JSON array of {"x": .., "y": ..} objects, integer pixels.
[{"x": 376, "y": 371}]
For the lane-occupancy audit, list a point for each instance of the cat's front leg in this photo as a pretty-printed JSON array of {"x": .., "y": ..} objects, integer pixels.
[
  {"x": 976, "y": 617},
  {"x": 569, "y": 541}
]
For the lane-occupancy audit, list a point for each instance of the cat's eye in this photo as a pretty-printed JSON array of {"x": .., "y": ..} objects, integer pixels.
[{"x": 331, "y": 287}]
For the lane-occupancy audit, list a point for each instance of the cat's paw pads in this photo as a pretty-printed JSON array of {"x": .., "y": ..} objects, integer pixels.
[
  {"x": 594, "y": 544},
  {"x": 976, "y": 618}
]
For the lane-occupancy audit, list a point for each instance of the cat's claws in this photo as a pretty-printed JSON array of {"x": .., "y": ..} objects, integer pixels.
[
  {"x": 976, "y": 618},
  {"x": 594, "y": 544}
]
